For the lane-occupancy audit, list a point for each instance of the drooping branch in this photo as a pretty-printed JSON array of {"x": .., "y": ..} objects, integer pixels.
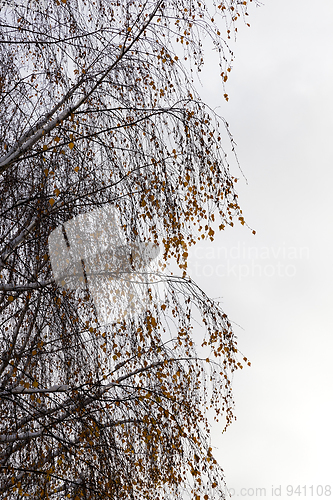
[{"x": 44, "y": 126}]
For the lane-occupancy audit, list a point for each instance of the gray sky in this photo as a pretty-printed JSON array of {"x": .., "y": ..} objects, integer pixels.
[{"x": 277, "y": 285}]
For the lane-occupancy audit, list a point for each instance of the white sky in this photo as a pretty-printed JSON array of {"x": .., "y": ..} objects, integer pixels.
[{"x": 281, "y": 114}]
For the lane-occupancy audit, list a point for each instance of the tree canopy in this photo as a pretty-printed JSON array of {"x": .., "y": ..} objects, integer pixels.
[{"x": 99, "y": 109}]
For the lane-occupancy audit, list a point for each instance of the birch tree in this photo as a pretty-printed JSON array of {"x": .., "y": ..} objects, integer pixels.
[{"x": 98, "y": 110}]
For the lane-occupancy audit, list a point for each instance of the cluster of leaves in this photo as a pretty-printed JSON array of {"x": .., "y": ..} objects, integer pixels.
[{"x": 97, "y": 107}]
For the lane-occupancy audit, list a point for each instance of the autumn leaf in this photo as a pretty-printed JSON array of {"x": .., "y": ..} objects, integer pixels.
[{"x": 162, "y": 169}]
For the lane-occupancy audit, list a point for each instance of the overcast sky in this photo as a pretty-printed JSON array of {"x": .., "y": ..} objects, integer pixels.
[{"x": 277, "y": 285}]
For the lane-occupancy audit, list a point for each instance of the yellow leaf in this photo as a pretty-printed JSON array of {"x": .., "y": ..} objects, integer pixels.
[
  {"x": 77, "y": 169},
  {"x": 57, "y": 139},
  {"x": 35, "y": 383},
  {"x": 71, "y": 145},
  {"x": 52, "y": 202},
  {"x": 45, "y": 147},
  {"x": 10, "y": 298},
  {"x": 57, "y": 192}
]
